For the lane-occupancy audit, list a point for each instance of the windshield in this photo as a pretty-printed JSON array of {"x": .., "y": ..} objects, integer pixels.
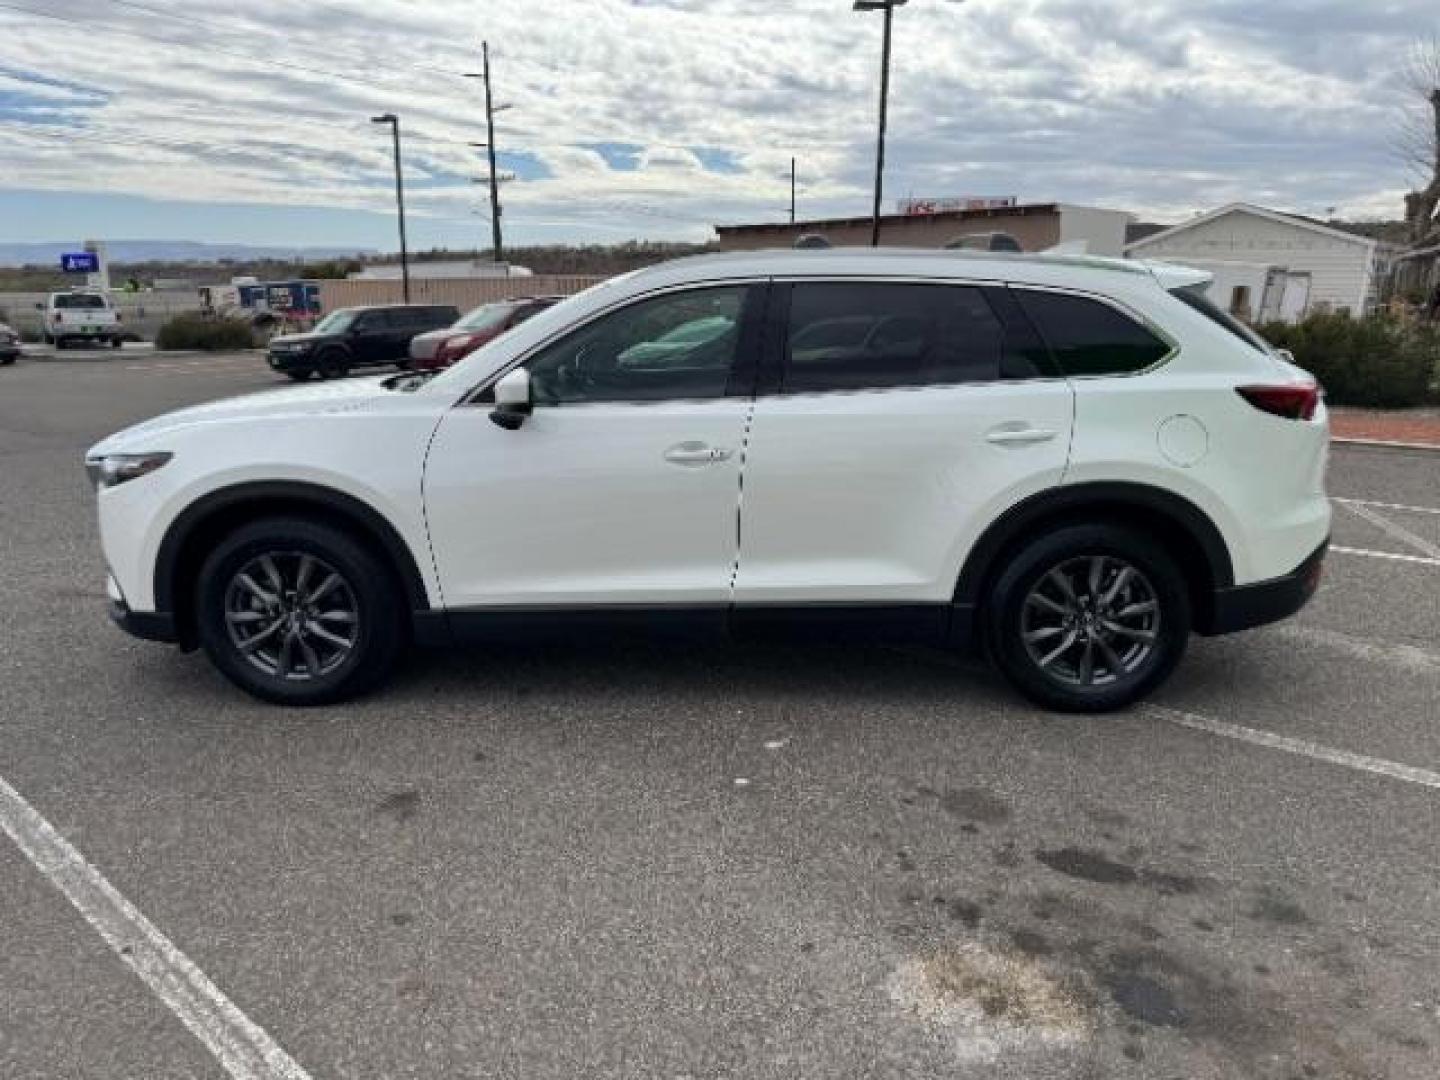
[
  {"x": 80, "y": 302},
  {"x": 337, "y": 322},
  {"x": 489, "y": 317},
  {"x": 1193, "y": 296}
]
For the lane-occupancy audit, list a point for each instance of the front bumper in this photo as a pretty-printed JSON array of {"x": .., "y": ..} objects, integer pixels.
[
  {"x": 291, "y": 361},
  {"x": 1242, "y": 607},
  {"x": 146, "y": 625}
]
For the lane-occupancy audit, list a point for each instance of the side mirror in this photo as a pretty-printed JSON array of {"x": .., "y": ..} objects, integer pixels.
[{"x": 512, "y": 400}]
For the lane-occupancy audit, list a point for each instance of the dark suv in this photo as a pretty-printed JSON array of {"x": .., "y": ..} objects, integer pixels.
[{"x": 357, "y": 337}]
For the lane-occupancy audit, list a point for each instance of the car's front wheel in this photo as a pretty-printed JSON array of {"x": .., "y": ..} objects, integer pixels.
[
  {"x": 298, "y": 612},
  {"x": 1090, "y": 618}
]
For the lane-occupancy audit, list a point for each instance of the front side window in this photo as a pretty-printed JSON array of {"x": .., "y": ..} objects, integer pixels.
[
  {"x": 863, "y": 335},
  {"x": 1089, "y": 337},
  {"x": 681, "y": 345},
  {"x": 337, "y": 322}
]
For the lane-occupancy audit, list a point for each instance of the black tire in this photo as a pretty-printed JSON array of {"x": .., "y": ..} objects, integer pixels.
[
  {"x": 7, "y": 360},
  {"x": 294, "y": 665},
  {"x": 300, "y": 376},
  {"x": 1023, "y": 629},
  {"x": 333, "y": 364},
  {"x": 116, "y": 342},
  {"x": 61, "y": 343}
]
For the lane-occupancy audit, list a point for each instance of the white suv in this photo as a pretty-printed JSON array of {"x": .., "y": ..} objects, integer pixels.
[{"x": 1071, "y": 463}]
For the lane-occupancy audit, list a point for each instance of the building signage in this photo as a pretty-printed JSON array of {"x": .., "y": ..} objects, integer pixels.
[
  {"x": 923, "y": 207},
  {"x": 80, "y": 262}
]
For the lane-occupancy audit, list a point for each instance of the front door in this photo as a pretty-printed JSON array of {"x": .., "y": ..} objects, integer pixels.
[
  {"x": 906, "y": 417},
  {"x": 623, "y": 487}
]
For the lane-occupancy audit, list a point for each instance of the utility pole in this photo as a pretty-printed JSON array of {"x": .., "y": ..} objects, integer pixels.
[
  {"x": 495, "y": 241},
  {"x": 792, "y": 191},
  {"x": 394, "y": 122}
]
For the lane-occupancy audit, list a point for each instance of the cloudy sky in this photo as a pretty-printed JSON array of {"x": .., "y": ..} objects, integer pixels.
[{"x": 247, "y": 120}]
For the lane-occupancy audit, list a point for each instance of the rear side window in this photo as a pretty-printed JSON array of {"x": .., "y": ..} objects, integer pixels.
[
  {"x": 856, "y": 336},
  {"x": 1088, "y": 337},
  {"x": 1194, "y": 298}
]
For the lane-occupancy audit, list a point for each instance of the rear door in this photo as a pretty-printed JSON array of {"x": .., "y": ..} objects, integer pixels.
[{"x": 903, "y": 418}]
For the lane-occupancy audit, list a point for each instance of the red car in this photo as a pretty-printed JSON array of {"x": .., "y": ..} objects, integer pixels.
[{"x": 441, "y": 348}]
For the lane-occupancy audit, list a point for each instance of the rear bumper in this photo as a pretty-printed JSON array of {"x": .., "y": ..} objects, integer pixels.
[{"x": 1242, "y": 607}]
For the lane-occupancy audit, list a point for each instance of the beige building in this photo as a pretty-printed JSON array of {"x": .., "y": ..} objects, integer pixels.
[{"x": 1035, "y": 227}]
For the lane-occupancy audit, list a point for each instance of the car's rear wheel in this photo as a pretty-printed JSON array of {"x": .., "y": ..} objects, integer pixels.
[
  {"x": 1088, "y": 619},
  {"x": 298, "y": 612}
]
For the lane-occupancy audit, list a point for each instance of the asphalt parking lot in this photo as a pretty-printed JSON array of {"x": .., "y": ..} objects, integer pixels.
[{"x": 668, "y": 861}]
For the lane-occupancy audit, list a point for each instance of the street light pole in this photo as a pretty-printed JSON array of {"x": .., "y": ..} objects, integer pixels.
[
  {"x": 394, "y": 122},
  {"x": 792, "y": 191},
  {"x": 888, "y": 7}
]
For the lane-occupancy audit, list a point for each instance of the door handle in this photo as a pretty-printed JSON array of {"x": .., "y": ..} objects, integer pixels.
[
  {"x": 696, "y": 454},
  {"x": 1019, "y": 436}
]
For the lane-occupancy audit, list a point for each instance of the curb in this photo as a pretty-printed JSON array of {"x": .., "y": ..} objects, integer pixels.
[{"x": 1386, "y": 444}]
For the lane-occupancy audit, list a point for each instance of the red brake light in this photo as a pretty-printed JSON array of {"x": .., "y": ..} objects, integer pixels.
[{"x": 1293, "y": 401}]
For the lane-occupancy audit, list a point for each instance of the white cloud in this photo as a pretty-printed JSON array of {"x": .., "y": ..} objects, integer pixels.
[{"x": 1162, "y": 108}]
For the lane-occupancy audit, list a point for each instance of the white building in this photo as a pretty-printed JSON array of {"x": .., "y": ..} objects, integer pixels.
[{"x": 1271, "y": 265}]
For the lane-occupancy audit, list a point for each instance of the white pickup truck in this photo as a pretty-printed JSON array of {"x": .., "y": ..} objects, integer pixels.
[{"x": 80, "y": 316}]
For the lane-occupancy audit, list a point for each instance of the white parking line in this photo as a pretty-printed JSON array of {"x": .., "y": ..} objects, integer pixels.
[
  {"x": 1409, "y": 658},
  {"x": 238, "y": 1043},
  {"x": 1387, "y": 506},
  {"x": 1394, "y": 770},
  {"x": 1399, "y": 532},
  {"x": 1420, "y": 559}
]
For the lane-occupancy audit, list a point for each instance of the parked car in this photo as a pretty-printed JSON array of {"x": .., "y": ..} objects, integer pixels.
[
  {"x": 1071, "y": 464},
  {"x": 441, "y": 348},
  {"x": 80, "y": 316},
  {"x": 356, "y": 337},
  {"x": 9, "y": 344}
]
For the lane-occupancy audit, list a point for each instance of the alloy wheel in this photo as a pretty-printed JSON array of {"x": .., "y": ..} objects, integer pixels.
[
  {"x": 1091, "y": 621},
  {"x": 292, "y": 616}
]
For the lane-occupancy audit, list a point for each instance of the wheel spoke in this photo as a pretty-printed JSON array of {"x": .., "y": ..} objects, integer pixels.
[
  {"x": 1041, "y": 600},
  {"x": 273, "y": 573},
  {"x": 1097, "y": 575},
  {"x": 302, "y": 575},
  {"x": 325, "y": 635},
  {"x": 1087, "y": 663},
  {"x": 1061, "y": 582},
  {"x": 286, "y": 657},
  {"x": 1125, "y": 574},
  {"x": 1145, "y": 607},
  {"x": 1043, "y": 634},
  {"x": 250, "y": 583},
  {"x": 1112, "y": 658},
  {"x": 249, "y": 645},
  {"x": 337, "y": 616},
  {"x": 312, "y": 659},
  {"x": 1060, "y": 650},
  {"x": 1128, "y": 631},
  {"x": 242, "y": 617},
  {"x": 324, "y": 588}
]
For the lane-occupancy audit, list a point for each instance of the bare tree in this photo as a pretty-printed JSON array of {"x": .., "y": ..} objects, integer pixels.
[{"x": 1419, "y": 142}]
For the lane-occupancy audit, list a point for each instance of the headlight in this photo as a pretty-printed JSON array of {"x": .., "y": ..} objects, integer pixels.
[{"x": 115, "y": 469}]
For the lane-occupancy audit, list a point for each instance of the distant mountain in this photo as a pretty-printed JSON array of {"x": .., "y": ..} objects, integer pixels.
[{"x": 48, "y": 253}]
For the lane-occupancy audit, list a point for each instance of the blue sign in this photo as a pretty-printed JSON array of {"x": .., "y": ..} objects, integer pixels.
[{"x": 80, "y": 262}]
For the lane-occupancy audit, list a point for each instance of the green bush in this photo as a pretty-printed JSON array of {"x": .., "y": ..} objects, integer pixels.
[
  {"x": 1376, "y": 362},
  {"x": 199, "y": 332}
]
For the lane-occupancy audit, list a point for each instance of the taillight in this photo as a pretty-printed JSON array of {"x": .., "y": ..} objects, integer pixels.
[{"x": 1293, "y": 401}]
